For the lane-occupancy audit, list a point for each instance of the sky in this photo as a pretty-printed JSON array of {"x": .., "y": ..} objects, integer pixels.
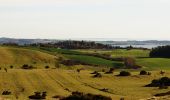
[{"x": 69, "y": 19}]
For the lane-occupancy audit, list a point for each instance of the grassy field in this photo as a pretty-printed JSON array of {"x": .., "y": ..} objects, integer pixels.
[
  {"x": 23, "y": 83},
  {"x": 19, "y": 56},
  {"x": 42, "y": 57},
  {"x": 63, "y": 81},
  {"x": 154, "y": 63},
  {"x": 95, "y": 60},
  {"x": 119, "y": 52},
  {"x": 130, "y": 53}
]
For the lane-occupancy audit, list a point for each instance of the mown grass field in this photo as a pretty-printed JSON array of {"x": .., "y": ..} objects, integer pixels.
[
  {"x": 23, "y": 83},
  {"x": 19, "y": 56}
]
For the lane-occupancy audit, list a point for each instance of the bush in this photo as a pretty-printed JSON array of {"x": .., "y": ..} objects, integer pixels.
[
  {"x": 5, "y": 69},
  {"x": 163, "y": 94},
  {"x": 164, "y": 81},
  {"x": 124, "y": 73},
  {"x": 143, "y": 72},
  {"x": 46, "y": 67},
  {"x": 97, "y": 75},
  {"x": 163, "y": 87},
  {"x": 38, "y": 95},
  {"x": 11, "y": 66},
  {"x": 82, "y": 96},
  {"x": 6, "y": 93},
  {"x": 25, "y": 66}
]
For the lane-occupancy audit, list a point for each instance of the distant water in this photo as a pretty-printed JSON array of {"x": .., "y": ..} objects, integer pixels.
[{"x": 149, "y": 46}]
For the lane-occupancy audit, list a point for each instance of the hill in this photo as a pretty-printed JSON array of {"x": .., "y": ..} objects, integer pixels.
[
  {"x": 19, "y": 56},
  {"x": 23, "y": 83}
]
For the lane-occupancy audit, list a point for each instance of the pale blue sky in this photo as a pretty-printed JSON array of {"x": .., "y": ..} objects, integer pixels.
[{"x": 132, "y": 19}]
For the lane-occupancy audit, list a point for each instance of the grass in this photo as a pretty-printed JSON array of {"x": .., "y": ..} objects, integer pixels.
[
  {"x": 95, "y": 60},
  {"x": 46, "y": 56},
  {"x": 19, "y": 56},
  {"x": 119, "y": 52},
  {"x": 130, "y": 53},
  {"x": 62, "y": 81},
  {"x": 55, "y": 82},
  {"x": 154, "y": 63}
]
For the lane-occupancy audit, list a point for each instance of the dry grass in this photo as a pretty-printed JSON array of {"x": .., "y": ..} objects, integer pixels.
[
  {"x": 62, "y": 82},
  {"x": 18, "y": 56}
]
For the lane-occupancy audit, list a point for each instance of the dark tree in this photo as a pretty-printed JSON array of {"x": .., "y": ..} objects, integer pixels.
[{"x": 160, "y": 51}]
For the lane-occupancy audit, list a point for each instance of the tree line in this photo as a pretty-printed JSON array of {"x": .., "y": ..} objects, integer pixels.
[
  {"x": 161, "y": 51},
  {"x": 69, "y": 44}
]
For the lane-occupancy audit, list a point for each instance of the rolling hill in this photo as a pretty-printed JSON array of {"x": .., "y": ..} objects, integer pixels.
[{"x": 19, "y": 56}]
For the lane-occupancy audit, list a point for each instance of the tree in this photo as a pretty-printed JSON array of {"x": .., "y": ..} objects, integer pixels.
[{"x": 129, "y": 62}]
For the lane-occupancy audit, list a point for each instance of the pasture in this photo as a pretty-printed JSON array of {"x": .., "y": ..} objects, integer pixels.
[
  {"x": 64, "y": 80},
  {"x": 23, "y": 83}
]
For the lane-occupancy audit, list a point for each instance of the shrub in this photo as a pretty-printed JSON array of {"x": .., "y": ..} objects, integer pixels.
[
  {"x": 5, "y": 69},
  {"x": 82, "y": 96},
  {"x": 38, "y": 95},
  {"x": 58, "y": 97},
  {"x": 163, "y": 87},
  {"x": 104, "y": 90},
  {"x": 122, "y": 98},
  {"x": 11, "y": 66},
  {"x": 25, "y": 66},
  {"x": 163, "y": 94},
  {"x": 162, "y": 73},
  {"x": 97, "y": 75},
  {"x": 143, "y": 72},
  {"x": 164, "y": 81},
  {"x": 124, "y": 73},
  {"x": 46, "y": 67},
  {"x": 6, "y": 93}
]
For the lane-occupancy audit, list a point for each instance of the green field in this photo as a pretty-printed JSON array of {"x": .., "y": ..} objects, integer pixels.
[
  {"x": 154, "y": 63},
  {"x": 119, "y": 52},
  {"x": 95, "y": 60},
  {"x": 130, "y": 53}
]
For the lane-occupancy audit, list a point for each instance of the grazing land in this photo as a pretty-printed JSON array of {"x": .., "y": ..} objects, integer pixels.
[
  {"x": 63, "y": 80},
  {"x": 18, "y": 56},
  {"x": 23, "y": 83},
  {"x": 120, "y": 52}
]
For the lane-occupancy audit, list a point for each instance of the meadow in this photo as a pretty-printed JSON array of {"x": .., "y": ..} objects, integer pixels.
[
  {"x": 64, "y": 80},
  {"x": 23, "y": 83}
]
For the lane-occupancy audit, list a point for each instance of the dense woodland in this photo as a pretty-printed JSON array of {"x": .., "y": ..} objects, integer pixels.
[{"x": 161, "y": 51}]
